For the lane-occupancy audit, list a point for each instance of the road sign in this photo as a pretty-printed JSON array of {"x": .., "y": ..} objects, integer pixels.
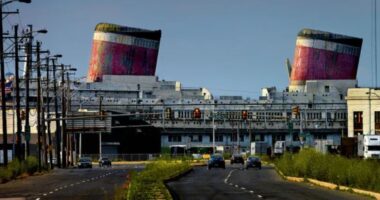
[{"x": 27, "y": 133}]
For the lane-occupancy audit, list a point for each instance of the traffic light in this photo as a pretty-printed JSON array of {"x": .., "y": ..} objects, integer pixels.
[
  {"x": 168, "y": 113},
  {"x": 23, "y": 115},
  {"x": 197, "y": 113},
  {"x": 244, "y": 114},
  {"x": 296, "y": 110}
]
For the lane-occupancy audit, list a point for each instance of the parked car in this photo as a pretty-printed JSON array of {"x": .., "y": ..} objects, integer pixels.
[
  {"x": 85, "y": 162},
  {"x": 105, "y": 162},
  {"x": 216, "y": 161},
  {"x": 237, "y": 158},
  {"x": 253, "y": 162}
]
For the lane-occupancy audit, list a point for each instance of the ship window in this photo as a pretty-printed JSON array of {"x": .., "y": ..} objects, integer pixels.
[{"x": 327, "y": 89}]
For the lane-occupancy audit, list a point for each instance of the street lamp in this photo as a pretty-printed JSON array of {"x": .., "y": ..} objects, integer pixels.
[{"x": 2, "y": 84}]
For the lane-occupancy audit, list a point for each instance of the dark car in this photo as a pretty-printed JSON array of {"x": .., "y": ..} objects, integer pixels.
[
  {"x": 85, "y": 162},
  {"x": 237, "y": 158},
  {"x": 216, "y": 161},
  {"x": 253, "y": 162},
  {"x": 105, "y": 162}
]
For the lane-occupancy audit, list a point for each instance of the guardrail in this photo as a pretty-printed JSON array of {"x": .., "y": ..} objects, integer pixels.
[{"x": 123, "y": 157}]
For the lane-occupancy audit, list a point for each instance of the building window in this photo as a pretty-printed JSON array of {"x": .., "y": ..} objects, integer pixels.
[
  {"x": 327, "y": 89},
  {"x": 234, "y": 137},
  {"x": 241, "y": 138},
  {"x": 218, "y": 138},
  {"x": 296, "y": 137},
  {"x": 196, "y": 138},
  {"x": 174, "y": 138},
  {"x": 377, "y": 122},
  {"x": 358, "y": 123}
]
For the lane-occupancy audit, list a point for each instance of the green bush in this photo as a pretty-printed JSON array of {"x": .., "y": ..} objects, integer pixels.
[
  {"x": 31, "y": 164},
  {"x": 308, "y": 163},
  {"x": 5, "y": 174},
  {"x": 16, "y": 168}
]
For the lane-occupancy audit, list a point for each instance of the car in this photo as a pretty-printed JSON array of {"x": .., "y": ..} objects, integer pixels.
[
  {"x": 216, "y": 161},
  {"x": 237, "y": 158},
  {"x": 253, "y": 162},
  {"x": 105, "y": 162},
  {"x": 85, "y": 162}
]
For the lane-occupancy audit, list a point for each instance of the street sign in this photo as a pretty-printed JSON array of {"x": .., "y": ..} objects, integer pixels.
[{"x": 27, "y": 133}]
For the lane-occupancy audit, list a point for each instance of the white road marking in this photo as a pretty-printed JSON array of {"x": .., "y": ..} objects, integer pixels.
[
  {"x": 236, "y": 186},
  {"x": 251, "y": 191},
  {"x": 243, "y": 188},
  {"x": 231, "y": 183},
  {"x": 51, "y": 192},
  {"x": 44, "y": 194},
  {"x": 38, "y": 199},
  {"x": 260, "y": 196},
  {"x": 56, "y": 189},
  {"x": 71, "y": 185}
]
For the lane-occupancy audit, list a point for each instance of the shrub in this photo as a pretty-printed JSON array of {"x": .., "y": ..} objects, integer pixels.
[
  {"x": 308, "y": 163},
  {"x": 5, "y": 174},
  {"x": 31, "y": 164}
]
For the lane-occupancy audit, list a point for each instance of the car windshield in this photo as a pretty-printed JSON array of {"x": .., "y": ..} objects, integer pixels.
[
  {"x": 237, "y": 156},
  {"x": 84, "y": 160},
  {"x": 104, "y": 158},
  {"x": 253, "y": 159},
  {"x": 216, "y": 157}
]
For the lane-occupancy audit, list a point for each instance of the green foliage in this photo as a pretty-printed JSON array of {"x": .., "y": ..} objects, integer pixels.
[
  {"x": 5, "y": 174},
  {"x": 308, "y": 163},
  {"x": 165, "y": 150},
  {"x": 149, "y": 184},
  {"x": 227, "y": 155},
  {"x": 31, "y": 164},
  {"x": 16, "y": 168}
]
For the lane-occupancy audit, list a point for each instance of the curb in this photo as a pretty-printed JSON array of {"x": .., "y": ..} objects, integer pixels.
[
  {"x": 173, "y": 194},
  {"x": 329, "y": 185}
]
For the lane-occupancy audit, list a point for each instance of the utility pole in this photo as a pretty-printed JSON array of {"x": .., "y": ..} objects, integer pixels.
[
  {"x": 57, "y": 123},
  {"x": 3, "y": 103},
  {"x": 63, "y": 111},
  {"x": 48, "y": 113},
  {"x": 27, "y": 75},
  {"x": 18, "y": 118},
  {"x": 39, "y": 105}
]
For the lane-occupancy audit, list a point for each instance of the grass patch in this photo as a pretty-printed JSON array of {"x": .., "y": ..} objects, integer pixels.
[
  {"x": 149, "y": 183},
  {"x": 363, "y": 174}
]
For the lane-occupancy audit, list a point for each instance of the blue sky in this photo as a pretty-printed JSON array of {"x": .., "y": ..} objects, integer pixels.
[{"x": 230, "y": 47}]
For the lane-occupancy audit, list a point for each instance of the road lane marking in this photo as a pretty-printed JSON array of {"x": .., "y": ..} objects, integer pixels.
[
  {"x": 38, "y": 199},
  {"x": 243, "y": 188},
  {"x": 56, "y": 189},
  {"x": 251, "y": 191},
  {"x": 231, "y": 184},
  {"x": 260, "y": 196},
  {"x": 44, "y": 194},
  {"x": 51, "y": 192},
  {"x": 236, "y": 186}
]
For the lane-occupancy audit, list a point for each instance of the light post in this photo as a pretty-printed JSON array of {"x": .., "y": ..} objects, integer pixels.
[{"x": 2, "y": 84}]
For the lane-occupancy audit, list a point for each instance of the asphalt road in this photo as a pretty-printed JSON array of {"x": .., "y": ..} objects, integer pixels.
[
  {"x": 95, "y": 183},
  {"x": 236, "y": 183}
]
